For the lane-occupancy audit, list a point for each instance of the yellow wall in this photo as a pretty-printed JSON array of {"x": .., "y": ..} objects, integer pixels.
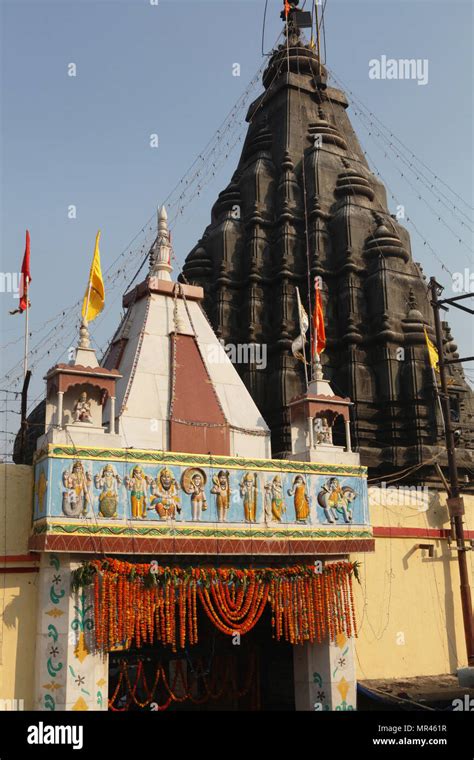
[
  {"x": 18, "y": 591},
  {"x": 408, "y": 605}
]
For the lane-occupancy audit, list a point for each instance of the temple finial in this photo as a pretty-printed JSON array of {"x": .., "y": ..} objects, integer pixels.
[
  {"x": 160, "y": 255},
  {"x": 84, "y": 339}
]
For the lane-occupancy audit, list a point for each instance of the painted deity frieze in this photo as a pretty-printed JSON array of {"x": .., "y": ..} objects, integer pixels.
[
  {"x": 107, "y": 481},
  {"x": 193, "y": 483},
  {"x": 138, "y": 483},
  {"x": 80, "y": 488},
  {"x": 76, "y": 494},
  {"x": 165, "y": 498},
  {"x": 301, "y": 499},
  {"x": 221, "y": 490},
  {"x": 249, "y": 493},
  {"x": 275, "y": 506},
  {"x": 336, "y": 501}
]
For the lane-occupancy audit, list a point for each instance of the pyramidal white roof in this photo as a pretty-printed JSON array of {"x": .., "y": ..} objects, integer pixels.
[{"x": 178, "y": 388}]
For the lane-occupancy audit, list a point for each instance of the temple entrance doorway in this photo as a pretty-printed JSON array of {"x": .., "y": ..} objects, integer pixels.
[{"x": 218, "y": 673}]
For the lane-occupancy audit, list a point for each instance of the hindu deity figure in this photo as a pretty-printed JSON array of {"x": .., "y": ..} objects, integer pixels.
[
  {"x": 193, "y": 482},
  {"x": 137, "y": 483},
  {"x": 301, "y": 499},
  {"x": 221, "y": 488},
  {"x": 165, "y": 495},
  {"x": 76, "y": 496},
  {"x": 336, "y": 500},
  {"x": 108, "y": 481},
  {"x": 322, "y": 431},
  {"x": 82, "y": 409},
  {"x": 274, "y": 502},
  {"x": 249, "y": 494}
]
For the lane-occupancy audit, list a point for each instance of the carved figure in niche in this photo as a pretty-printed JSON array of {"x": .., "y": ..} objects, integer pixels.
[
  {"x": 221, "y": 488},
  {"x": 336, "y": 500},
  {"x": 193, "y": 482},
  {"x": 249, "y": 493},
  {"x": 322, "y": 431},
  {"x": 76, "y": 497},
  {"x": 137, "y": 483},
  {"x": 82, "y": 410},
  {"x": 108, "y": 481},
  {"x": 301, "y": 499},
  {"x": 274, "y": 501},
  {"x": 165, "y": 495}
]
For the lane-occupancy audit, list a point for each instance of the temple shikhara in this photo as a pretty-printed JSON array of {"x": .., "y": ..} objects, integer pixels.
[{"x": 204, "y": 534}]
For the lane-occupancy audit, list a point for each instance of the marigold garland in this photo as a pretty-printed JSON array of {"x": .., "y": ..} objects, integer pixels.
[{"x": 135, "y": 604}]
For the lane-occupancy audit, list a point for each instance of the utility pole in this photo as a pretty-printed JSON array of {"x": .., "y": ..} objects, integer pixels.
[{"x": 455, "y": 501}]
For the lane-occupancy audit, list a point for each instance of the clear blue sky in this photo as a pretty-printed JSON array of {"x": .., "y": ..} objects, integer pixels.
[{"x": 167, "y": 69}]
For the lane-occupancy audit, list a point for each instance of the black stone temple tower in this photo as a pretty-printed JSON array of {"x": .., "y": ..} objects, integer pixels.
[{"x": 303, "y": 202}]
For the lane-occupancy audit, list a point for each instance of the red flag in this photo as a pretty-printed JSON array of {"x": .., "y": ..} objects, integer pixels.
[
  {"x": 287, "y": 8},
  {"x": 319, "y": 343},
  {"x": 25, "y": 279}
]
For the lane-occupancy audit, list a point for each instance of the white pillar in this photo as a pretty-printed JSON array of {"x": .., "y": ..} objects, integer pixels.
[
  {"x": 311, "y": 432},
  {"x": 324, "y": 676},
  {"x": 68, "y": 675},
  {"x": 59, "y": 412},
  {"x": 347, "y": 426},
  {"x": 112, "y": 415}
]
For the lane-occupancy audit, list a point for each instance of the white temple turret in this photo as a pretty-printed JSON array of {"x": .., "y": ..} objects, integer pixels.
[{"x": 160, "y": 257}]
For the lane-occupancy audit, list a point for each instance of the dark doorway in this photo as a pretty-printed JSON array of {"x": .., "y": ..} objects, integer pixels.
[{"x": 218, "y": 673}]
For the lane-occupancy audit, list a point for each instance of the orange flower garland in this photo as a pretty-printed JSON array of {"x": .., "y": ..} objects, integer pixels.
[{"x": 136, "y": 604}]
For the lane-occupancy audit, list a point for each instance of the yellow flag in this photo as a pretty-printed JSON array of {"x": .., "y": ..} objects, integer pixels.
[
  {"x": 432, "y": 352},
  {"x": 94, "y": 297}
]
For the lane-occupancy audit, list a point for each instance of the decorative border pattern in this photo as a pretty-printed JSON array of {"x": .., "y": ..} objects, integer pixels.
[
  {"x": 47, "y": 526},
  {"x": 177, "y": 458}
]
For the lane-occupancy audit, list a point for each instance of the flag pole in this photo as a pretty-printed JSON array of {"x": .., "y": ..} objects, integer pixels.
[
  {"x": 443, "y": 423},
  {"x": 305, "y": 362},
  {"x": 25, "y": 353}
]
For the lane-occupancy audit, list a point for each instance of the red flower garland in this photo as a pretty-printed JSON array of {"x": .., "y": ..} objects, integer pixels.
[{"x": 136, "y": 604}]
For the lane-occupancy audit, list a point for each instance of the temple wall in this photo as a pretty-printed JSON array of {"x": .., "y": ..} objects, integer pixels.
[
  {"x": 19, "y": 573},
  {"x": 408, "y": 604}
]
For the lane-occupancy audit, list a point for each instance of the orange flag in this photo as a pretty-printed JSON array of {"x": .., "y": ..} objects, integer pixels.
[
  {"x": 319, "y": 342},
  {"x": 287, "y": 8}
]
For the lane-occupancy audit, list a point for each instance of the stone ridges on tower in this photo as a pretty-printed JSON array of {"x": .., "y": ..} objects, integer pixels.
[{"x": 302, "y": 160}]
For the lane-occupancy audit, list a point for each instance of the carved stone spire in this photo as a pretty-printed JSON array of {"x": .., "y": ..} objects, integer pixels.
[{"x": 307, "y": 200}]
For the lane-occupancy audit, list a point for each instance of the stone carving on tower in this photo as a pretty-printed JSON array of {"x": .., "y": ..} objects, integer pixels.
[{"x": 310, "y": 206}]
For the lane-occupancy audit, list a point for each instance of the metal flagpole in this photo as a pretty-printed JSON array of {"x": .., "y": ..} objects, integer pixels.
[
  {"x": 439, "y": 400},
  {"x": 25, "y": 356},
  {"x": 303, "y": 338}
]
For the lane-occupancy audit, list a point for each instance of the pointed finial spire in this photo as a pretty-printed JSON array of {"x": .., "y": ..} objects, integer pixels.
[{"x": 160, "y": 257}]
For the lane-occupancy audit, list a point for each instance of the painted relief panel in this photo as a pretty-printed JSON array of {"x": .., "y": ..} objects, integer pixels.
[{"x": 183, "y": 488}]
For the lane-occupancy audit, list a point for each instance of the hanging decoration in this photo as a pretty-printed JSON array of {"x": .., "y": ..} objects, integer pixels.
[
  {"x": 181, "y": 687},
  {"x": 136, "y": 604}
]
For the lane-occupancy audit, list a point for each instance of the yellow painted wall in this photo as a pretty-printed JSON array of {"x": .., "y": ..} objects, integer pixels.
[
  {"x": 408, "y": 605},
  {"x": 18, "y": 591}
]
